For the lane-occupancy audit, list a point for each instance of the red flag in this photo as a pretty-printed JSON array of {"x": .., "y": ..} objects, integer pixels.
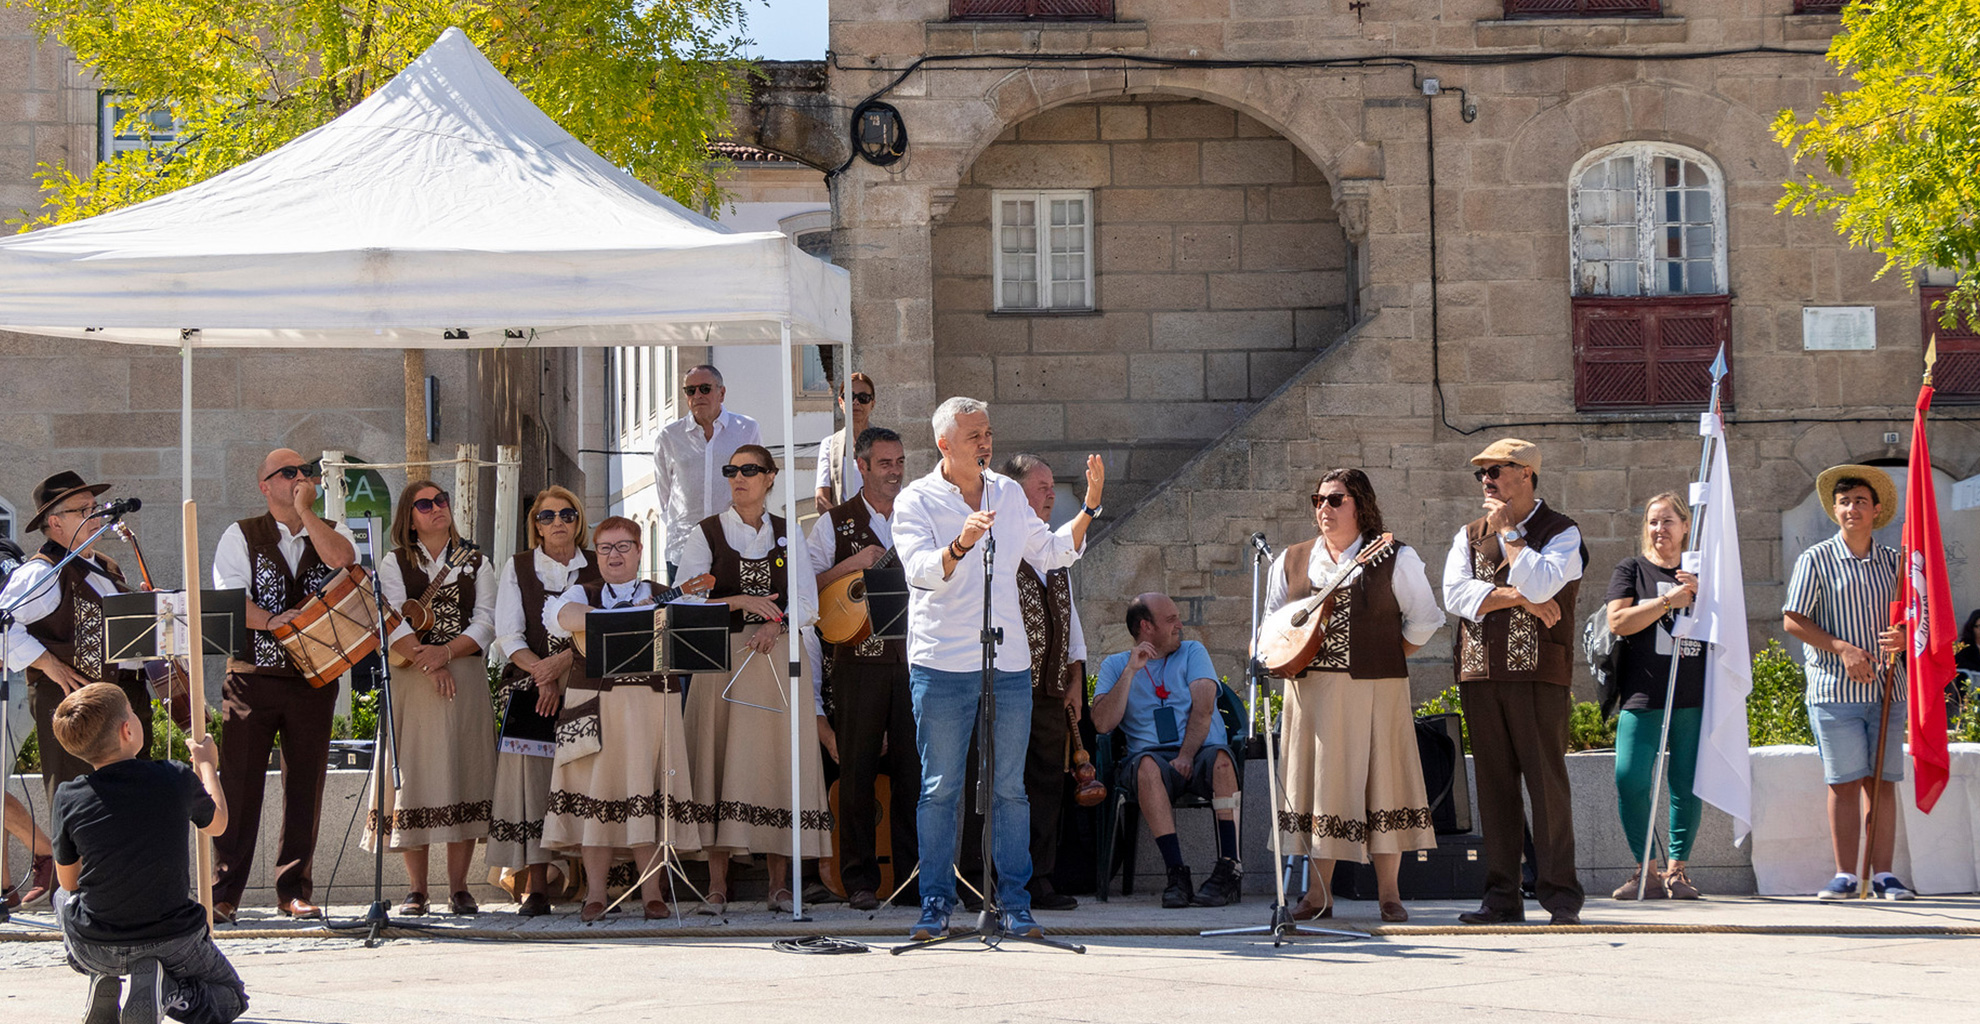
[{"x": 1928, "y": 617}]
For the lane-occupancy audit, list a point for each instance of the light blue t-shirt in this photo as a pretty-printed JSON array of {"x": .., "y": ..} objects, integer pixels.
[{"x": 1174, "y": 673}]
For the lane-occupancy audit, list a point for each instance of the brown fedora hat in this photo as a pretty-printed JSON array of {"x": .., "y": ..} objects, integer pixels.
[
  {"x": 1879, "y": 481},
  {"x": 56, "y": 490}
]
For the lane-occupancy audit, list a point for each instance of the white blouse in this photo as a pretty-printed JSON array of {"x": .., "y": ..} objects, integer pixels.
[{"x": 481, "y": 626}]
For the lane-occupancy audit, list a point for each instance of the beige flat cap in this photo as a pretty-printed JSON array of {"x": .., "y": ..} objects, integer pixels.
[{"x": 1510, "y": 449}]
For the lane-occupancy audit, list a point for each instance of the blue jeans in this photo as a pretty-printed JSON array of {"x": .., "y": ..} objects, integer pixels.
[
  {"x": 945, "y": 705},
  {"x": 195, "y": 969}
]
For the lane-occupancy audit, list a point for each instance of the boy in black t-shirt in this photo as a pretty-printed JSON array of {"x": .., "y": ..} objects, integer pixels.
[{"x": 120, "y": 855}]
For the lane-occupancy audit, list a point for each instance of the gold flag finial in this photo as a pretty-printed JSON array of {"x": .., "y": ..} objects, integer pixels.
[{"x": 1931, "y": 356}]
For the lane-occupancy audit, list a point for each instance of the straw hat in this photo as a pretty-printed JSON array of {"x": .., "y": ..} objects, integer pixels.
[
  {"x": 1879, "y": 481},
  {"x": 1510, "y": 449},
  {"x": 56, "y": 490}
]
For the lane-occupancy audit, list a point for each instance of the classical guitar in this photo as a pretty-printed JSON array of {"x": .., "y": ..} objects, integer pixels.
[
  {"x": 843, "y": 617},
  {"x": 1289, "y": 638},
  {"x": 696, "y": 587},
  {"x": 418, "y": 612}
]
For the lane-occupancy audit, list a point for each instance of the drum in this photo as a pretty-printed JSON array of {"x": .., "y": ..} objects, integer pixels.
[{"x": 334, "y": 628}]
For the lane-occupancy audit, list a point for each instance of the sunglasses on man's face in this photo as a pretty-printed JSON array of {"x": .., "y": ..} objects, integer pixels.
[
  {"x": 1484, "y": 473},
  {"x": 308, "y": 469},
  {"x": 748, "y": 469},
  {"x": 425, "y": 505},
  {"x": 865, "y": 398},
  {"x": 1329, "y": 500},
  {"x": 546, "y": 516},
  {"x": 698, "y": 389}
]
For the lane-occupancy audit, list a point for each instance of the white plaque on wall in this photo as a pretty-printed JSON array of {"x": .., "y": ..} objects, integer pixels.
[
  {"x": 1838, "y": 328},
  {"x": 1966, "y": 494}
]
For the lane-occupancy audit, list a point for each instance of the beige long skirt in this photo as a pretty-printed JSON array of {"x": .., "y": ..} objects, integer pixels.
[
  {"x": 1353, "y": 783},
  {"x": 445, "y": 753},
  {"x": 634, "y": 791},
  {"x": 742, "y": 758},
  {"x": 522, "y": 800}
]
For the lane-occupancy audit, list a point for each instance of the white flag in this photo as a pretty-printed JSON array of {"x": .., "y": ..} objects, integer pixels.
[{"x": 1724, "y": 777}]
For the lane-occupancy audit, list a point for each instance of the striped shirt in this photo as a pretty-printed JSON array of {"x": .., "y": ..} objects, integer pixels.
[{"x": 1850, "y": 599}]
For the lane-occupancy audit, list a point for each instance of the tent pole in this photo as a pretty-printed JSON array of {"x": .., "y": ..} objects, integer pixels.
[{"x": 797, "y": 734}]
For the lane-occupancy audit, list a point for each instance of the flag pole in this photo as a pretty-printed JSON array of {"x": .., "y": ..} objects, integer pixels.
[{"x": 1670, "y": 683}]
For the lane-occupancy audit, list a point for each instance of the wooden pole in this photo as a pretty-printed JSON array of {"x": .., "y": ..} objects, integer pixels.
[{"x": 196, "y": 683}]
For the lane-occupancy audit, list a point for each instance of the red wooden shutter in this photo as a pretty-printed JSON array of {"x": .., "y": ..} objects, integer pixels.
[
  {"x": 1031, "y": 10},
  {"x": 1957, "y": 373},
  {"x": 1648, "y": 353},
  {"x": 1583, "y": 8}
]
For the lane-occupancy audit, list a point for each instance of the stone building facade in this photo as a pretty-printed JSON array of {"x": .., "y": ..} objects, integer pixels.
[{"x": 1301, "y": 257}]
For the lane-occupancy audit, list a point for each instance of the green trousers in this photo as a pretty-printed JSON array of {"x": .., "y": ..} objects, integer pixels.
[{"x": 1636, "y": 760}]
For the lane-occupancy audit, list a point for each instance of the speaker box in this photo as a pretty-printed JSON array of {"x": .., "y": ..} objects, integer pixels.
[
  {"x": 1455, "y": 870},
  {"x": 1446, "y": 776}
]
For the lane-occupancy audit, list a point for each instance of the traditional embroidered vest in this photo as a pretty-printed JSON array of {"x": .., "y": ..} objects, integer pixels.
[
  {"x": 534, "y": 596},
  {"x": 852, "y": 529},
  {"x": 735, "y": 574},
  {"x": 453, "y": 604},
  {"x": 1511, "y": 645},
  {"x": 274, "y": 589},
  {"x": 73, "y": 632},
  {"x": 1047, "y": 607},
  {"x": 594, "y": 595},
  {"x": 1364, "y": 637}
]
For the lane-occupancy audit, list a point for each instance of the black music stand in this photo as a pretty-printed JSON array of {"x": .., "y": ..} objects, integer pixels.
[
  {"x": 151, "y": 626},
  {"x": 887, "y": 602}
]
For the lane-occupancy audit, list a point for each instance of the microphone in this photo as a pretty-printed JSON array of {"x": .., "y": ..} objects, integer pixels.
[
  {"x": 118, "y": 509},
  {"x": 1258, "y": 543}
]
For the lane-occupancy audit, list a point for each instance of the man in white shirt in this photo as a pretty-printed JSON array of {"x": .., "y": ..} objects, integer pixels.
[
  {"x": 689, "y": 456},
  {"x": 945, "y": 524},
  {"x": 280, "y": 558},
  {"x": 839, "y": 469}
]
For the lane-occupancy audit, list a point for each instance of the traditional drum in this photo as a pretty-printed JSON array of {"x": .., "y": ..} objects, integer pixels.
[{"x": 334, "y": 628}]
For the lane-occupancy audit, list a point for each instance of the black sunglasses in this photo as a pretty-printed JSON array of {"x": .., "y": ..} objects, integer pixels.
[
  {"x": 429, "y": 504},
  {"x": 1484, "y": 473},
  {"x": 551, "y": 515},
  {"x": 863, "y": 399},
  {"x": 750, "y": 469},
  {"x": 1329, "y": 500},
  {"x": 698, "y": 389},
  {"x": 308, "y": 469}
]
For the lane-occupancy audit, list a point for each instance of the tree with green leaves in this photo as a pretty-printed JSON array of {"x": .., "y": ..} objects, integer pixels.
[
  {"x": 1899, "y": 154},
  {"x": 645, "y": 83}
]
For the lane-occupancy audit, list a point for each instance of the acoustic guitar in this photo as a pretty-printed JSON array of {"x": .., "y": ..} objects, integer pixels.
[
  {"x": 1289, "y": 638},
  {"x": 696, "y": 587},
  {"x": 843, "y": 617},
  {"x": 418, "y": 612},
  {"x": 883, "y": 839}
]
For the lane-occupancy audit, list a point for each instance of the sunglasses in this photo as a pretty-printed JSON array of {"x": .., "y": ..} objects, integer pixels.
[
  {"x": 863, "y": 399},
  {"x": 425, "y": 505},
  {"x": 1329, "y": 500},
  {"x": 624, "y": 547},
  {"x": 308, "y": 469},
  {"x": 698, "y": 389},
  {"x": 751, "y": 469},
  {"x": 547, "y": 516},
  {"x": 1484, "y": 473}
]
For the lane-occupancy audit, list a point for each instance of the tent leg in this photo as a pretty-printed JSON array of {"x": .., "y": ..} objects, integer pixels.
[{"x": 795, "y": 702}]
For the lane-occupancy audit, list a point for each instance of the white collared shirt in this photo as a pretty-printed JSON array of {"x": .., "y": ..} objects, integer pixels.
[
  {"x": 945, "y": 615},
  {"x": 1421, "y": 618},
  {"x": 1537, "y": 573},
  {"x": 233, "y": 568},
  {"x": 22, "y": 648},
  {"x": 614, "y": 596},
  {"x": 511, "y": 632},
  {"x": 822, "y": 544},
  {"x": 687, "y": 471},
  {"x": 481, "y": 626},
  {"x": 834, "y": 459},
  {"x": 801, "y": 605}
]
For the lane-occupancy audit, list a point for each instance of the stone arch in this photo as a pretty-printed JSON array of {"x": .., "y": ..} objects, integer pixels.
[{"x": 1547, "y": 144}]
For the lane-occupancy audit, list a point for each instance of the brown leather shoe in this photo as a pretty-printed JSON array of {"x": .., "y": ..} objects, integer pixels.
[
  {"x": 462, "y": 904},
  {"x": 591, "y": 912},
  {"x": 1487, "y": 915},
  {"x": 1304, "y": 911},
  {"x": 1394, "y": 912},
  {"x": 657, "y": 910},
  {"x": 301, "y": 910},
  {"x": 416, "y": 905},
  {"x": 224, "y": 913}
]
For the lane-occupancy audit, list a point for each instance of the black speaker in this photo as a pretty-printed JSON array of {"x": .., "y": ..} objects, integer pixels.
[{"x": 1440, "y": 747}]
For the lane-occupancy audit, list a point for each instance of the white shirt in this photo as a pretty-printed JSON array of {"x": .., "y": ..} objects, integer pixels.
[
  {"x": 945, "y": 615},
  {"x": 833, "y": 457},
  {"x": 1538, "y": 574},
  {"x": 233, "y": 569},
  {"x": 823, "y": 544},
  {"x": 511, "y": 632},
  {"x": 615, "y": 596},
  {"x": 23, "y": 649},
  {"x": 481, "y": 626},
  {"x": 687, "y": 470},
  {"x": 1421, "y": 617},
  {"x": 801, "y": 604}
]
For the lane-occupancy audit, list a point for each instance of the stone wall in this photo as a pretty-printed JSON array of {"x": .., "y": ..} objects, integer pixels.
[{"x": 47, "y": 112}]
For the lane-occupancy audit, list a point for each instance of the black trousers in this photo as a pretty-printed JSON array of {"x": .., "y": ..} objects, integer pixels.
[
  {"x": 1519, "y": 734},
  {"x": 254, "y": 710},
  {"x": 872, "y": 709},
  {"x": 1045, "y": 763},
  {"x": 57, "y": 764}
]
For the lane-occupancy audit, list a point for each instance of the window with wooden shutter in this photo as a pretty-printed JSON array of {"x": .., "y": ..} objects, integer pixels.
[
  {"x": 1957, "y": 373},
  {"x": 1819, "y": 6},
  {"x": 1648, "y": 353},
  {"x": 1031, "y": 10},
  {"x": 1581, "y": 8}
]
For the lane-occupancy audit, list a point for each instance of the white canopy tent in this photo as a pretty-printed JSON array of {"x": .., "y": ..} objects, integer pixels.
[{"x": 445, "y": 211}]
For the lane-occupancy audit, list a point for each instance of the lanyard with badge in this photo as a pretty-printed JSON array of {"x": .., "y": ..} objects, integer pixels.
[{"x": 1166, "y": 733}]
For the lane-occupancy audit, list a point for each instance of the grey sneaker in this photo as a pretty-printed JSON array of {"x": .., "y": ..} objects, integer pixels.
[
  {"x": 145, "y": 1002},
  {"x": 105, "y": 991}
]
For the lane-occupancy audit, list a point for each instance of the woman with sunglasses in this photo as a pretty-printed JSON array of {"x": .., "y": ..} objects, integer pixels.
[
  {"x": 1353, "y": 781},
  {"x": 444, "y": 743},
  {"x": 555, "y": 561},
  {"x": 740, "y": 752}
]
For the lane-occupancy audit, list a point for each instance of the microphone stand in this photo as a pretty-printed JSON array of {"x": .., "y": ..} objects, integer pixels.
[
  {"x": 1282, "y": 923},
  {"x": 379, "y": 916},
  {"x": 7, "y": 754}
]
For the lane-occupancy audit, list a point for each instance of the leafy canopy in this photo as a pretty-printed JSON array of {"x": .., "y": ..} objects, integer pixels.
[
  {"x": 1900, "y": 151},
  {"x": 645, "y": 83}
]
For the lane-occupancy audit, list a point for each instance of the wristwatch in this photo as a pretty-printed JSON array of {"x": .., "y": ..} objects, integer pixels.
[
  {"x": 1092, "y": 512},
  {"x": 1510, "y": 534}
]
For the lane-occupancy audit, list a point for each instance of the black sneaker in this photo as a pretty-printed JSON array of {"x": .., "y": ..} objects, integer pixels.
[
  {"x": 145, "y": 1002},
  {"x": 1223, "y": 887},
  {"x": 1178, "y": 893},
  {"x": 105, "y": 992},
  {"x": 1045, "y": 897}
]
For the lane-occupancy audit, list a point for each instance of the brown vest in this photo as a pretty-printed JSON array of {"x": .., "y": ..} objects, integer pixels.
[
  {"x": 852, "y": 529},
  {"x": 1511, "y": 645},
  {"x": 735, "y": 574},
  {"x": 273, "y": 589},
  {"x": 453, "y": 604},
  {"x": 1364, "y": 637},
  {"x": 1047, "y": 608},
  {"x": 73, "y": 632},
  {"x": 594, "y": 596}
]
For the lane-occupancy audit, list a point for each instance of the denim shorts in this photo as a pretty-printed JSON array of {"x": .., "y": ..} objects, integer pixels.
[
  {"x": 1202, "y": 771},
  {"x": 1846, "y": 734}
]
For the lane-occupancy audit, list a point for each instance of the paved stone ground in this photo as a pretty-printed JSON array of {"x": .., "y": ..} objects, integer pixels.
[{"x": 1610, "y": 971}]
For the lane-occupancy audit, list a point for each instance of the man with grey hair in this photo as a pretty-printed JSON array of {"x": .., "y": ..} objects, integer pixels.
[
  {"x": 689, "y": 456},
  {"x": 942, "y": 522}
]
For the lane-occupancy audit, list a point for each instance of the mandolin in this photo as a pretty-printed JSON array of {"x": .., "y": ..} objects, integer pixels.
[
  {"x": 843, "y": 617},
  {"x": 696, "y": 587},
  {"x": 418, "y": 612},
  {"x": 1289, "y": 638}
]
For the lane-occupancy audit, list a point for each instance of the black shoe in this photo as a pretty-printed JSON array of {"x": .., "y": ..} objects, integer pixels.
[
  {"x": 1487, "y": 915},
  {"x": 106, "y": 993},
  {"x": 145, "y": 1003},
  {"x": 1177, "y": 895},
  {"x": 863, "y": 899},
  {"x": 1566, "y": 917},
  {"x": 1053, "y": 899},
  {"x": 970, "y": 900},
  {"x": 535, "y": 904},
  {"x": 1223, "y": 887}
]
